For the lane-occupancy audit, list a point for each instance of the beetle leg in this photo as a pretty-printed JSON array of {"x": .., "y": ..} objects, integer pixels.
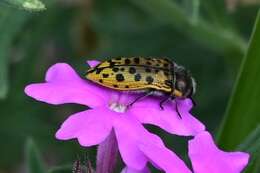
[
  {"x": 177, "y": 110},
  {"x": 150, "y": 92},
  {"x": 176, "y": 107},
  {"x": 163, "y": 101}
]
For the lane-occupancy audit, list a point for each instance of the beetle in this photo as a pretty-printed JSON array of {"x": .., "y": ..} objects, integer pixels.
[{"x": 151, "y": 76}]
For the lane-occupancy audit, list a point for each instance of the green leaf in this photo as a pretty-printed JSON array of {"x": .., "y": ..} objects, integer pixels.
[
  {"x": 4, "y": 44},
  {"x": 192, "y": 8},
  {"x": 33, "y": 159},
  {"x": 252, "y": 143},
  {"x": 252, "y": 146},
  {"x": 256, "y": 168},
  {"x": 253, "y": 166},
  {"x": 3, "y": 72},
  {"x": 195, "y": 11},
  {"x": 243, "y": 111},
  {"x": 31, "y": 5},
  {"x": 15, "y": 20},
  {"x": 214, "y": 37}
]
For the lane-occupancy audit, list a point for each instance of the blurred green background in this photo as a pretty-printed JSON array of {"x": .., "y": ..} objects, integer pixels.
[{"x": 208, "y": 37}]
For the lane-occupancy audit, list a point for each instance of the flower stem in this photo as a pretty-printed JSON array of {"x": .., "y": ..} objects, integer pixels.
[
  {"x": 107, "y": 154},
  {"x": 215, "y": 37}
]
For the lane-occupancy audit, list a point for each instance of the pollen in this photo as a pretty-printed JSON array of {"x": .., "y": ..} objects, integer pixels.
[{"x": 117, "y": 107}]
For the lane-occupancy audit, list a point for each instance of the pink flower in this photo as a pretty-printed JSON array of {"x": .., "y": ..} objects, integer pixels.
[
  {"x": 108, "y": 112},
  {"x": 206, "y": 157}
]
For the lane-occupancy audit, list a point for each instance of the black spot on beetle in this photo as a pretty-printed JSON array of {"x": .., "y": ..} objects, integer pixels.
[
  {"x": 148, "y": 70},
  {"x": 148, "y": 63},
  {"x": 115, "y": 69},
  {"x": 105, "y": 75},
  {"x": 111, "y": 63},
  {"x": 137, "y": 60},
  {"x": 132, "y": 70},
  {"x": 120, "y": 77},
  {"x": 100, "y": 80},
  {"x": 166, "y": 59},
  {"x": 138, "y": 77},
  {"x": 98, "y": 70},
  {"x": 168, "y": 82},
  {"x": 166, "y": 73},
  {"x": 127, "y": 61},
  {"x": 122, "y": 69},
  {"x": 149, "y": 79},
  {"x": 115, "y": 86},
  {"x": 165, "y": 65},
  {"x": 126, "y": 86}
]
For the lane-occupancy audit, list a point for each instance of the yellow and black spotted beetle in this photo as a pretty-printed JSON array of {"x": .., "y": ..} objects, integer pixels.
[{"x": 152, "y": 76}]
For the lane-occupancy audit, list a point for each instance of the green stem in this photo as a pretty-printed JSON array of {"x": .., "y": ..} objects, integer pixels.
[
  {"x": 215, "y": 37},
  {"x": 16, "y": 20},
  {"x": 243, "y": 111}
]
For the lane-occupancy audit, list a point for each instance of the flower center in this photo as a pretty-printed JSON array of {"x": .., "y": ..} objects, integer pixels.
[{"x": 117, "y": 107}]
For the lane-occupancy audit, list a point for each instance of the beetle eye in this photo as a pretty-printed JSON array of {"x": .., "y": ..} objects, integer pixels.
[{"x": 181, "y": 85}]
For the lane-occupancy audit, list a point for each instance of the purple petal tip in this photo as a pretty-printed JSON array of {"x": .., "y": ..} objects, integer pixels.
[{"x": 93, "y": 63}]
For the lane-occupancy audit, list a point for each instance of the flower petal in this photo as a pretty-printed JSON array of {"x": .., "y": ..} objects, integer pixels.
[
  {"x": 130, "y": 170},
  {"x": 137, "y": 145},
  {"x": 63, "y": 85},
  {"x": 128, "y": 133},
  {"x": 93, "y": 63},
  {"x": 163, "y": 158},
  {"x": 90, "y": 127},
  {"x": 148, "y": 111},
  {"x": 205, "y": 156}
]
